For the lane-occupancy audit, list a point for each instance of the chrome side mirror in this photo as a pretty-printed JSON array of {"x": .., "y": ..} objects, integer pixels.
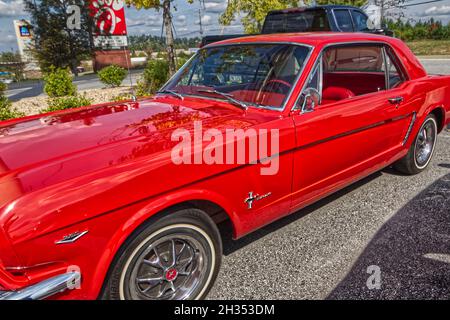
[{"x": 311, "y": 99}]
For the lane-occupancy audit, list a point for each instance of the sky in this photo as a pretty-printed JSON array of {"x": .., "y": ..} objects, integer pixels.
[{"x": 187, "y": 17}]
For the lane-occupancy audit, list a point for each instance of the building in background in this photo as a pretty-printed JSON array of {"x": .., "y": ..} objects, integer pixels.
[
  {"x": 25, "y": 43},
  {"x": 24, "y": 36}
]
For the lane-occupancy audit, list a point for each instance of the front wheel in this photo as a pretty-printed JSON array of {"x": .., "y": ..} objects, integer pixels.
[
  {"x": 421, "y": 150},
  {"x": 174, "y": 258}
]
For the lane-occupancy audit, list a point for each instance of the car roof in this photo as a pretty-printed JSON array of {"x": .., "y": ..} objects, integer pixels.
[
  {"x": 320, "y": 40},
  {"x": 310, "y": 38}
]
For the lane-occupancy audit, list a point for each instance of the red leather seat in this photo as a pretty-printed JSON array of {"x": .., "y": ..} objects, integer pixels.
[{"x": 333, "y": 94}]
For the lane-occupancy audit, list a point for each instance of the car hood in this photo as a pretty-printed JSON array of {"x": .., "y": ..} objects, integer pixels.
[{"x": 39, "y": 151}]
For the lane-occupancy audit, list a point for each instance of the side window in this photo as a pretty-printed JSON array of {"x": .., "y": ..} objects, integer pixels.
[
  {"x": 396, "y": 76},
  {"x": 360, "y": 21},
  {"x": 343, "y": 20},
  {"x": 354, "y": 59},
  {"x": 352, "y": 70}
]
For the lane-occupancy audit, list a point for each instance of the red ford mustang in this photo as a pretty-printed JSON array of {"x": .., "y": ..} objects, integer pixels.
[{"x": 106, "y": 202}]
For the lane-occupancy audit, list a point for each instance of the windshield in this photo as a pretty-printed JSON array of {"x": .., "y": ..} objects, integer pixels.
[
  {"x": 255, "y": 74},
  {"x": 304, "y": 21}
]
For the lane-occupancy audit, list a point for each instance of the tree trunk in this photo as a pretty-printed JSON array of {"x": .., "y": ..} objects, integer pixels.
[{"x": 169, "y": 37}]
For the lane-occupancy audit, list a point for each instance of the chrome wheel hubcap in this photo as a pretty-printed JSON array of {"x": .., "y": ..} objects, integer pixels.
[
  {"x": 425, "y": 143},
  {"x": 169, "y": 268}
]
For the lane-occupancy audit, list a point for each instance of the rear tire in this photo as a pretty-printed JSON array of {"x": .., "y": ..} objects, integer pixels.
[
  {"x": 422, "y": 149},
  {"x": 176, "y": 257}
]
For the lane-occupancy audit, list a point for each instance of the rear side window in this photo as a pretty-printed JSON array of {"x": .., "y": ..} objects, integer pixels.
[
  {"x": 360, "y": 21},
  {"x": 305, "y": 21},
  {"x": 354, "y": 70},
  {"x": 343, "y": 20},
  {"x": 354, "y": 59},
  {"x": 394, "y": 71}
]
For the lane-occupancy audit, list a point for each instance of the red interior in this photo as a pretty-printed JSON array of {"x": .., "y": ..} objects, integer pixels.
[
  {"x": 357, "y": 82},
  {"x": 333, "y": 94}
]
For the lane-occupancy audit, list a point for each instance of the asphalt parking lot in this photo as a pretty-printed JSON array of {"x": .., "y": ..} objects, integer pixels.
[{"x": 399, "y": 225}]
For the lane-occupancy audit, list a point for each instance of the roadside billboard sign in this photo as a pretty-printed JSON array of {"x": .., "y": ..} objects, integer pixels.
[{"x": 110, "y": 25}]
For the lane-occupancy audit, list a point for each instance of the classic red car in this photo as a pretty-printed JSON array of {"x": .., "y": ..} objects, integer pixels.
[{"x": 94, "y": 205}]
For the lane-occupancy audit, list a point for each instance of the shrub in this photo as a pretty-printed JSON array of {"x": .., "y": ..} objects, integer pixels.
[
  {"x": 156, "y": 73},
  {"x": 69, "y": 102},
  {"x": 112, "y": 75},
  {"x": 58, "y": 83},
  {"x": 6, "y": 111},
  {"x": 122, "y": 97},
  {"x": 3, "y": 88},
  {"x": 181, "y": 61}
]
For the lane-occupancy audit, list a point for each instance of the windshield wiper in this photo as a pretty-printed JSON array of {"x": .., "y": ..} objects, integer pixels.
[
  {"x": 227, "y": 96},
  {"x": 176, "y": 94}
]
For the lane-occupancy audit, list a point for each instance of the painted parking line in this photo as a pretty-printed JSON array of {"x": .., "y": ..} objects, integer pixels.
[{"x": 16, "y": 91}]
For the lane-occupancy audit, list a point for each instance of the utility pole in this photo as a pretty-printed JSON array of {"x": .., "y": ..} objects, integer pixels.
[
  {"x": 200, "y": 21},
  {"x": 167, "y": 21}
]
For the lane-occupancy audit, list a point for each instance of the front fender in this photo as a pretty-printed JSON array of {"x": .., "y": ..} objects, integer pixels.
[{"x": 146, "y": 211}]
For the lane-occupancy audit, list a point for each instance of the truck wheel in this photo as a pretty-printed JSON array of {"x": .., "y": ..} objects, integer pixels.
[
  {"x": 421, "y": 150},
  {"x": 176, "y": 257}
]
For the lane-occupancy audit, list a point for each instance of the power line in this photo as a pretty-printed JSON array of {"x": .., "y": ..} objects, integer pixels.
[{"x": 418, "y": 4}]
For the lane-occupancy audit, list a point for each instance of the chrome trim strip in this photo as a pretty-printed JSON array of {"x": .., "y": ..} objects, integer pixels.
[
  {"x": 408, "y": 133},
  {"x": 44, "y": 289},
  {"x": 386, "y": 69},
  {"x": 351, "y": 132},
  {"x": 294, "y": 85}
]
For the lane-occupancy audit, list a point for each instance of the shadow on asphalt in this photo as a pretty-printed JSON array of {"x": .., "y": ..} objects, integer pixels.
[
  {"x": 230, "y": 245},
  {"x": 412, "y": 250}
]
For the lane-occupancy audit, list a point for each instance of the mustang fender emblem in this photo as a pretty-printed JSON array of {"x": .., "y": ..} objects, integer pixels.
[
  {"x": 70, "y": 238},
  {"x": 251, "y": 197}
]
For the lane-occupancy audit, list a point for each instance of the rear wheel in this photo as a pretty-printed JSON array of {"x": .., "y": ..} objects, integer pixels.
[
  {"x": 421, "y": 150},
  {"x": 174, "y": 258}
]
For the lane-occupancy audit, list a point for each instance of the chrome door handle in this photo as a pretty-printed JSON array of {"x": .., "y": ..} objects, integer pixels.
[{"x": 396, "y": 100}]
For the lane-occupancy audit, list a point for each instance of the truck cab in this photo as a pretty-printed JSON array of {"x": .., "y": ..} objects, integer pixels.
[{"x": 319, "y": 18}]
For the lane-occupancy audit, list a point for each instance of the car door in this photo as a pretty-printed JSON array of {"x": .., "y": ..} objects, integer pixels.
[{"x": 343, "y": 140}]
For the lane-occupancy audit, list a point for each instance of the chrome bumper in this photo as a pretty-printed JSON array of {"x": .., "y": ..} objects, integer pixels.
[{"x": 44, "y": 289}]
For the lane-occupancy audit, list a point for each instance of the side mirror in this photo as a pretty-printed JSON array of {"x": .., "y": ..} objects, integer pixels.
[{"x": 311, "y": 99}]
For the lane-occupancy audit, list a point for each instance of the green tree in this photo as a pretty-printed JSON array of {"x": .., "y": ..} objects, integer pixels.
[
  {"x": 254, "y": 11},
  {"x": 56, "y": 42},
  {"x": 166, "y": 7}
]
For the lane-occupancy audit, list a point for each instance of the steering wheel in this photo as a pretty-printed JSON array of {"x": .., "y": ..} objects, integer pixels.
[{"x": 277, "y": 86}]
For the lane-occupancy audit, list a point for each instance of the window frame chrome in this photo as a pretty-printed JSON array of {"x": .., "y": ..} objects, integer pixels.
[
  {"x": 318, "y": 64},
  {"x": 294, "y": 84}
]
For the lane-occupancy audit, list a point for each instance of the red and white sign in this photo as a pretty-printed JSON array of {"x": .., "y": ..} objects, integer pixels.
[{"x": 109, "y": 19}]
